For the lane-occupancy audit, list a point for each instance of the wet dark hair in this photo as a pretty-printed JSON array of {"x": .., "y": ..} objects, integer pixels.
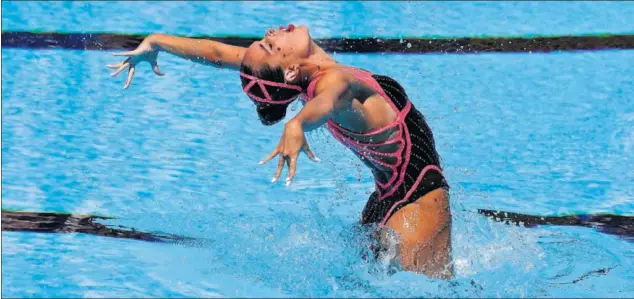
[{"x": 268, "y": 113}]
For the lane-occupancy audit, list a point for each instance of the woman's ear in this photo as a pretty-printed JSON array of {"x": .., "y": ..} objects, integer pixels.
[{"x": 291, "y": 74}]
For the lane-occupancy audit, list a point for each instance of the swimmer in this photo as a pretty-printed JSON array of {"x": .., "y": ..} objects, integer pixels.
[{"x": 368, "y": 113}]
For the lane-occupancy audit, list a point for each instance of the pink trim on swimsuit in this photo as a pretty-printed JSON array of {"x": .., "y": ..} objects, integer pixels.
[
  {"x": 398, "y": 169},
  {"x": 411, "y": 190},
  {"x": 262, "y": 83}
]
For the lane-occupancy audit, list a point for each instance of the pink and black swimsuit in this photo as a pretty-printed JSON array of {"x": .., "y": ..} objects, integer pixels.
[{"x": 402, "y": 155}]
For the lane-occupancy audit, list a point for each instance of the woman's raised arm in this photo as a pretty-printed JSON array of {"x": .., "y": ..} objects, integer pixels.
[{"x": 202, "y": 51}]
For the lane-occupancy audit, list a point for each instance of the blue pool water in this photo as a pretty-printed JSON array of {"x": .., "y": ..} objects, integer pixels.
[{"x": 531, "y": 133}]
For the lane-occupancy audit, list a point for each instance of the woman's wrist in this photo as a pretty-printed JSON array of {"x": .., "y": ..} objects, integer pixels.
[
  {"x": 295, "y": 123},
  {"x": 154, "y": 40}
]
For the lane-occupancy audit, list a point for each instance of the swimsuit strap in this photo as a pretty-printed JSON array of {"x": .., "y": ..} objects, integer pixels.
[
  {"x": 366, "y": 77},
  {"x": 310, "y": 91},
  {"x": 361, "y": 75}
]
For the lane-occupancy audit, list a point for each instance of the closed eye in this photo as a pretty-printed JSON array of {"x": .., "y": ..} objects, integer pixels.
[{"x": 265, "y": 48}]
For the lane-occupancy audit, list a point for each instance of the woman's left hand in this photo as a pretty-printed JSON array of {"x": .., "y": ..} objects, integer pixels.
[{"x": 292, "y": 142}]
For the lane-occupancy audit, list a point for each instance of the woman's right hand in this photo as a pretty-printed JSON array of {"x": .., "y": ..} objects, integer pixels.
[{"x": 146, "y": 51}]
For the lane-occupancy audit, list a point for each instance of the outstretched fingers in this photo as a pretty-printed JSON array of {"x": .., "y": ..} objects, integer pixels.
[
  {"x": 292, "y": 166},
  {"x": 310, "y": 154},
  {"x": 280, "y": 167},
  {"x": 134, "y": 52},
  {"x": 130, "y": 75},
  {"x": 120, "y": 69},
  {"x": 156, "y": 69},
  {"x": 142, "y": 53},
  {"x": 118, "y": 65},
  {"x": 269, "y": 156},
  {"x": 114, "y": 66}
]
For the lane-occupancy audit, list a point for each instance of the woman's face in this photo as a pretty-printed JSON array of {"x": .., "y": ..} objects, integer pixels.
[{"x": 279, "y": 47}]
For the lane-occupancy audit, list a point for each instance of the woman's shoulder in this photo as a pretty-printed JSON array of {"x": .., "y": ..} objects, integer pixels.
[
  {"x": 335, "y": 76},
  {"x": 346, "y": 75}
]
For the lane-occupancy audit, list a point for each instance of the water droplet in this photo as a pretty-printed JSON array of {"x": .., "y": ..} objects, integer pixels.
[{"x": 409, "y": 45}]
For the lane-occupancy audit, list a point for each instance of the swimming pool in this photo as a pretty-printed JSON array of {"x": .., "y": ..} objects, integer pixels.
[{"x": 542, "y": 134}]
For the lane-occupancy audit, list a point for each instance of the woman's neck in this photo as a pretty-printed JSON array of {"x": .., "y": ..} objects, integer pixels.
[{"x": 318, "y": 61}]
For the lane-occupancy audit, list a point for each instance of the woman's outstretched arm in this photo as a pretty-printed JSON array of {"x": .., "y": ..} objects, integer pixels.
[
  {"x": 202, "y": 51},
  {"x": 198, "y": 50}
]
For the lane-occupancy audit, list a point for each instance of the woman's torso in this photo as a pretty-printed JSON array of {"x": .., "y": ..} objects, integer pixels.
[
  {"x": 363, "y": 107},
  {"x": 377, "y": 122}
]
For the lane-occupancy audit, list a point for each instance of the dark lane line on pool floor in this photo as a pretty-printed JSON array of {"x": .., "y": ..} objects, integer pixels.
[
  {"x": 618, "y": 225},
  {"x": 51, "y": 222},
  {"x": 458, "y": 45}
]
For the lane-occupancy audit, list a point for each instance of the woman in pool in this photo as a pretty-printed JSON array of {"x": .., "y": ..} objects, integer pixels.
[{"x": 370, "y": 114}]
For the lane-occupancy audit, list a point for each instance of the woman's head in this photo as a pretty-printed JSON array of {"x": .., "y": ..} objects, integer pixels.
[
  {"x": 266, "y": 87},
  {"x": 283, "y": 47},
  {"x": 270, "y": 72}
]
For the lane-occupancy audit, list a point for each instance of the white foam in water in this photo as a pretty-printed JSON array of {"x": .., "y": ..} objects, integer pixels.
[{"x": 388, "y": 258}]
